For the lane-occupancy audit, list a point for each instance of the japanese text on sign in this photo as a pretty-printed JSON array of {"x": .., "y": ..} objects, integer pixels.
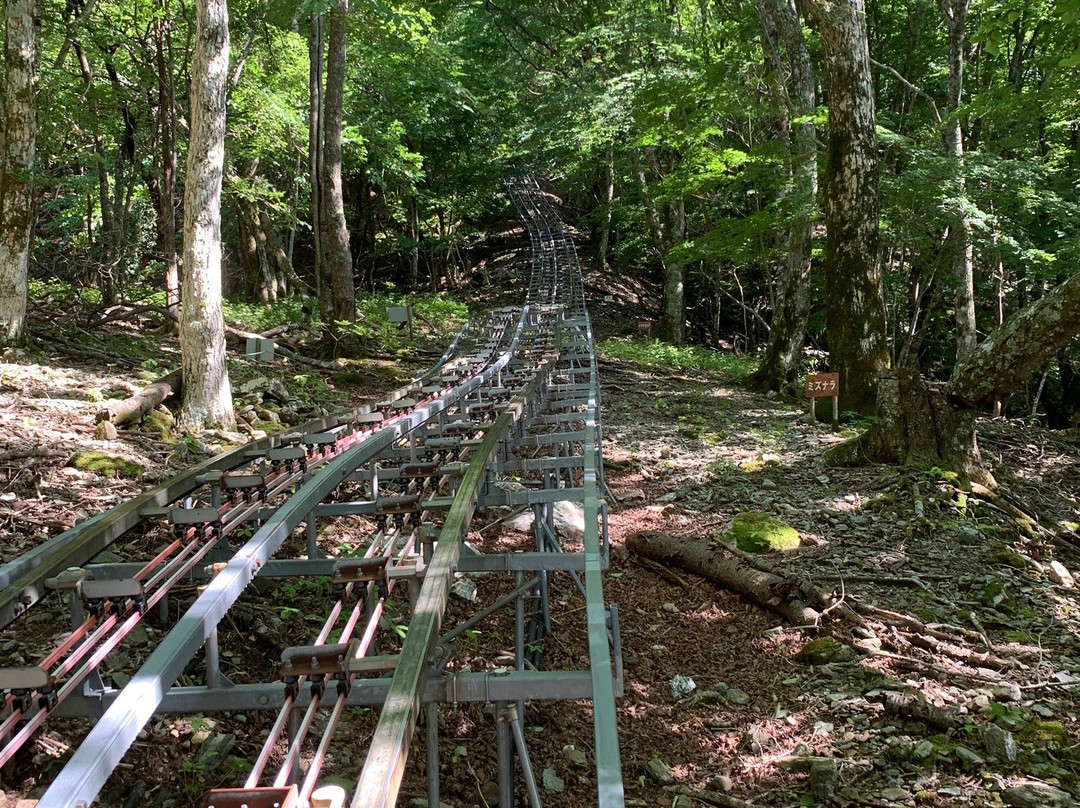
[{"x": 821, "y": 385}]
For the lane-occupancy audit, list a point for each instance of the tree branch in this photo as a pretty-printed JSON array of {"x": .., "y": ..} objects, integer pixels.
[{"x": 918, "y": 91}]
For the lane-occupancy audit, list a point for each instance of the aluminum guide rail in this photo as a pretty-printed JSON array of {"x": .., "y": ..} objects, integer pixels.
[{"x": 509, "y": 416}]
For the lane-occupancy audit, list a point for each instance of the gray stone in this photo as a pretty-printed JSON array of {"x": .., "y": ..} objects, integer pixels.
[
  {"x": 575, "y": 755},
  {"x": 999, "y": 743},
  {"x": 968, "y": 758},
  {"x": 681, "y": 686},
  {"x": 421, "y": 802},
  {"x": 569, "y": 521},
  {"x": 213, "y": 752},
  {"x": 724, "y": 783},
  {"x": 1033, "y": 794},
  {"x": 658, "y": 771},
  {"x": 737, "y": 697},
  {"x": 552, "y": 782},
  {"x": 1060, "y": 574},
  {"x": 895, "y": 794},
  {"x": 924, "y": 750},
  {"x": 682, "y": 801},
  {"x": 489, "y": 791},
  {"x": 823, "y": 778}
]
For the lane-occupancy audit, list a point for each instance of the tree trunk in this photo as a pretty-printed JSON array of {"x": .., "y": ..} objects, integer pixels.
[
  {"x": 167, "y": 116},
  {"x": 855, "y": 317},
  {"x": 607, "y": 196},
  {"x": 207, "y": 399},
  {"x": 335, "y": 233},
  {"x": 770, "y": 591},
  {"x": 414, "y": 236},
  {"x": 18, "y": 138},
  {"x": 1005, "y": 361},
  {"x": 781, "y": 363},
  {"x": 955, "y": 14},
  {"x": 315, "y": 160},
  {"x": 665, "y": 232},
  {"x": 926, "y": 424}
]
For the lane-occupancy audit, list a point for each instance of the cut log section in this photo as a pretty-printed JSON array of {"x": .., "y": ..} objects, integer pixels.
[
  {"x": 128, "y": 409},
  {"x": 780, "y": 595}
]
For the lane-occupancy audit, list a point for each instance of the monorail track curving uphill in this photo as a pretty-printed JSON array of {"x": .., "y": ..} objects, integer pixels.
[{"x": 516, "y": 394}]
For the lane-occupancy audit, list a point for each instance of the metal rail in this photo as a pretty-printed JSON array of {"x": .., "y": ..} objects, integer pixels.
[{"x": 523, "y": 380}]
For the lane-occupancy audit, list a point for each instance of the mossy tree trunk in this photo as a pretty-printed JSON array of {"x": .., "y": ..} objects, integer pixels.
[
  {"x": 335, "y": 233},
  {"x": 18, "y": 138},
  {"x": 795, "y": 85},
  {"x": 207, "y": 393},
  {"x": 855, "y": 317},
  {"x": 926, "y": 424}
]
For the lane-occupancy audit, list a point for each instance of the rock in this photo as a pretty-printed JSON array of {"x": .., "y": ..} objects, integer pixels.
[
  {"x": 924, "y": 750},
  {"x": 757, "y": 532},
  {"x": 824, "y": 650},
  {"x": 658, "y": 771},
  {"x": 1033, "y": 794},
  {"x": 1060, "y": 574},
  {"x": 670, "y": 496},
  {"x": 632, "y": 495},
  {"x": 999, "y": 743},
  {"x": 682, "y": 801},
  {"x": 421, "y": 802},
  {"x": 575, "y": 755},
  {"x": 489, "y": 791},
  {"x": 681, "y": 686},
  {"x": 739, "y": 698},
  {"x": 569, "y": 521},
  {"x": 724, "y": 783},
  {"x": 823, "y": 778},
  {"x": 767, "y": 483},
  {"x": 552, "y": 782},
  {"x": 895, "y": 794},
  {"x": 968, "y": 758},
  {"x": 214, "y": 750}
]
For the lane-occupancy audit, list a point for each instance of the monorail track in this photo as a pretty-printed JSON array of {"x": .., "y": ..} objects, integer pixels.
[{"x": 517, "y": 393}]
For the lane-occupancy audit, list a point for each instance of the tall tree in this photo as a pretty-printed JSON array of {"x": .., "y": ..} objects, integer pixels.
[
  {"x": 207, "y": 394},
  {"x": 796, "y": 88},
  {"x": 855, "y": 318},
  {"x": 18, "y": 139},
  {"x": 335, "y": 232},
  {"x": 955, "y": 13}
]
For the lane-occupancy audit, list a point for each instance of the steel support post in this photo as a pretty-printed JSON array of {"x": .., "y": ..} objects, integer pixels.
[{"x": 505, "y": 752}]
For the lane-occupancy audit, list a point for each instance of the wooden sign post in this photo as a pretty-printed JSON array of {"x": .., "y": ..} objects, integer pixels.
[{"x": 824, "y": 385}]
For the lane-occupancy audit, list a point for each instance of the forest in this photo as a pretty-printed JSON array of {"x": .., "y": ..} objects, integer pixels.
[
  {"x": 889, "y": 191},
  {"x": 693, "y": 142}
]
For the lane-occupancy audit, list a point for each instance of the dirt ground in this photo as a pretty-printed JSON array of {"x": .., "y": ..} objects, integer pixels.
[{"x": 956, "y": 683}]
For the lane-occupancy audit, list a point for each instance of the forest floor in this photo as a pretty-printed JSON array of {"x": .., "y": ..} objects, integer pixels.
[{"x": 952, "y": 676}]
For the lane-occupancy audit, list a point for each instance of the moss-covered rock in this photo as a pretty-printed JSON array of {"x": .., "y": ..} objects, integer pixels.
[
  {"x": 159, "y": 421},
  {"x": 106, "y": 465},
  {"x": 1039, "y": 733},
  {"x": 756, "y": 532},
  {"x": 824, "y": 650}
]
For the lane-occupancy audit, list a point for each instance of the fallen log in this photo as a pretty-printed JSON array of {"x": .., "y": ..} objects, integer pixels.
[
  {"x": 137, "y": 405},
  {"x": 772, "y": 591}
]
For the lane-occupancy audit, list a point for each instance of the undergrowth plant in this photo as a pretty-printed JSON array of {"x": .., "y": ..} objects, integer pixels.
[{"x": 655, "y": 353}]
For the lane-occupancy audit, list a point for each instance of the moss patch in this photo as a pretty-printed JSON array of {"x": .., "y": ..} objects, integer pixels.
[
  {"x": 824, "y": 650},
  {"x": 106, "y": 465},
  {"x": 756, "y": 532}
]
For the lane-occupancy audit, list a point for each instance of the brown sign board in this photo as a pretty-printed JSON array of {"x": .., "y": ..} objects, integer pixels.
[{"x": 822, "y": 385}]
